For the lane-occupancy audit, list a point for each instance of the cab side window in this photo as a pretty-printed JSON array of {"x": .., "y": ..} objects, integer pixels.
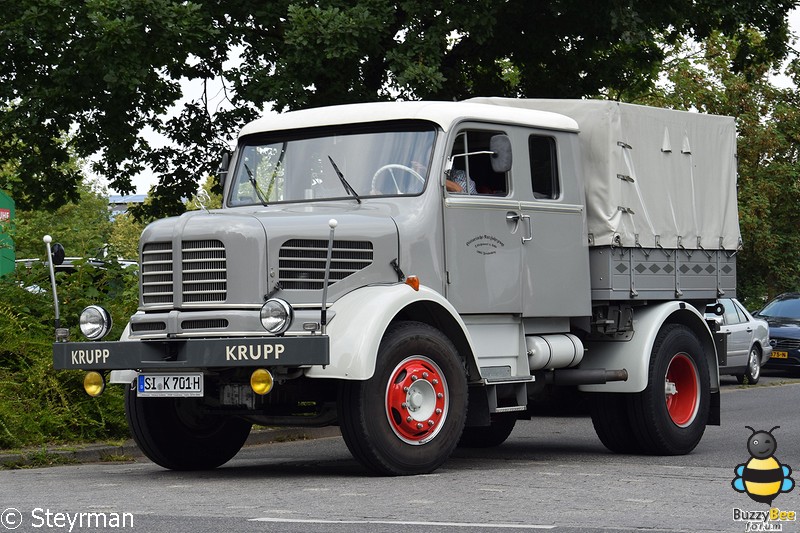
[
  {"x": 472, "y": 166},
  {"x": 544, "y": 167}
]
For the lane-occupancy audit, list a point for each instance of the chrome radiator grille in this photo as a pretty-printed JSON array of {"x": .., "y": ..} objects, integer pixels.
[
  {"x": 301, "y": 262},
  {"x": 203, "y": 273},
  {"x": 156, "y": 276}
]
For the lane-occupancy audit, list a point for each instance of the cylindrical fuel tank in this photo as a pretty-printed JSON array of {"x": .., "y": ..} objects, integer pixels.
[{"x": 562, "y": 350}]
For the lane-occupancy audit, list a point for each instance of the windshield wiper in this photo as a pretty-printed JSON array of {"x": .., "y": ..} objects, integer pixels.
[
  {"x": 256, "y": 188},
  {"x": 347, "y": 187}
]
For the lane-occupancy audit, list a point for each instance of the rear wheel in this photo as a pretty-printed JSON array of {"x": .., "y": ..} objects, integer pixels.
[
  {"x": 495, "y": 434},
  {"x": 669, "y": 417},
  {"x": 753, "y": 372},
  {"x": 612, "y": 423},
  {"x": 178, "y": 434},
  {"x": 407, "y": 418}
]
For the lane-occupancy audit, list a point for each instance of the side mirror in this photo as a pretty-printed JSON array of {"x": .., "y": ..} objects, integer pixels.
[
  {"x": 57, "y": 254},
  {"x": 716, "y": 309},
  {"x": 222, "y": 171},
  {"x": 500, "y": 146}
]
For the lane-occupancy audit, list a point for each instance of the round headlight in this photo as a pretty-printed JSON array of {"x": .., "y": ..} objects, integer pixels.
[
  {"x": 276, "y": 316},
  {"x": 95, "y": 322}
]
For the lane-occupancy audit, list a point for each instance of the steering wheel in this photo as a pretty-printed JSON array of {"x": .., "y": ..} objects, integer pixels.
[{"x": 391, "y": 168}]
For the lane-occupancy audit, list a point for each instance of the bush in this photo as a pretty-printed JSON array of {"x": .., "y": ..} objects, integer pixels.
[{"x": 37, "y": 404}]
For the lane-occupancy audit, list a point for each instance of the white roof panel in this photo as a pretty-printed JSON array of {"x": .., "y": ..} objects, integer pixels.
[{"x": 445, "y": 114}]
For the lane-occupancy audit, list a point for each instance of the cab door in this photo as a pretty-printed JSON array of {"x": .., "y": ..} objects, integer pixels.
[
  {"x": 482, "y": 240},
  {"x": 555, "y": 251}
]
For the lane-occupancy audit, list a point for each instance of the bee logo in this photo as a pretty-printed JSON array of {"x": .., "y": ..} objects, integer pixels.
[{"x": 762, "y": 477}]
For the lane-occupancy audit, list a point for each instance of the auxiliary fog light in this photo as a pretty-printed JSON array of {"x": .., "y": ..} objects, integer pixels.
[
  {"x": 276, "y": 316},
  {"x": 94, "y": 384},
  {"x": 95, "y": 322},
  {"x": 261, "y": 381}
]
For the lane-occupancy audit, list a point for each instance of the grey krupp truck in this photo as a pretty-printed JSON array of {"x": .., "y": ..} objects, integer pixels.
[{"x": 415, "y": 272}]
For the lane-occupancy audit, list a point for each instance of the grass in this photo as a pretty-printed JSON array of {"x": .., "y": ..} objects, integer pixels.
[
  {"x": 38, "y": 459},
  {"x": 41, "y": 406},
  {"x": 117, "y": 458}
]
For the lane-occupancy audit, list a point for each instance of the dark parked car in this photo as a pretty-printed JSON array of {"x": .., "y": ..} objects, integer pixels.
[
  {"x": 748, "y": 341},
  {"x": 783, "y": 316}
]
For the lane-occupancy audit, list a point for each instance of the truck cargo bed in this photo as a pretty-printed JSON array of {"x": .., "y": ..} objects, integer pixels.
[{"x": 619, "y": 273}]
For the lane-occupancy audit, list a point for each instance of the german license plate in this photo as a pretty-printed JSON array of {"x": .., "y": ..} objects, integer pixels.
[
  {"x": 160, "y": 385},
  {"x": 779, "y": 355}
]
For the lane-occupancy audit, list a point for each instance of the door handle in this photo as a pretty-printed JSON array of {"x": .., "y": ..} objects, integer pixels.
[
  {"x": 527, "y": 219},
  {"x": 512, "y": 217}
]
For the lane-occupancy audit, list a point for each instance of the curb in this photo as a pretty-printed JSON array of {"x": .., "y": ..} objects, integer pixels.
[{"x": 128, "y": 451}]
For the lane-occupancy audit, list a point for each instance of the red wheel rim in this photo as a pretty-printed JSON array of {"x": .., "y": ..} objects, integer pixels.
[
  {"x": 416, "y": 400},
  {"x": 682, "y": 390}
]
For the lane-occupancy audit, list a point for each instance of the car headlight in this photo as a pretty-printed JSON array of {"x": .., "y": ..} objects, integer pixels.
[
  {"x": 95, "y": 322},
  {"x": 276, "y": 316}
]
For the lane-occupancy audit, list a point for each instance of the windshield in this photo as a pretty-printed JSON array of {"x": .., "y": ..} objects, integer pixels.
[
  {"x": 783, "y": 308},
  {"x": 376, "y": 160}
]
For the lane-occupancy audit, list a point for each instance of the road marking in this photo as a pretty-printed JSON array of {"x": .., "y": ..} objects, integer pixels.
[{"x": 401, "y": 523}]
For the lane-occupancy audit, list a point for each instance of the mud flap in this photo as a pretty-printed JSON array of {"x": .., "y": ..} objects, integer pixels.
[{"x": 714, "y": 418}]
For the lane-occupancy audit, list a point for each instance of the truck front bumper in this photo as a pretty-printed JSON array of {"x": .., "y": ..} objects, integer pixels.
[{"x": 193, "y": 353}]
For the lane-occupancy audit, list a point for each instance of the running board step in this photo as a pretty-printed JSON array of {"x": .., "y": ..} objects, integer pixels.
[
  {"x": 509, "y": 380},
  {"x": 518, "y": 386},
  {"x": 510, "y": 409}
]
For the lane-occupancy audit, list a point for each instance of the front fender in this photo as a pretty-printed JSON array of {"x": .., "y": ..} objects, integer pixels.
[
  {"x": 634, "y": 355},
  {"x": 361, "y": 318}
]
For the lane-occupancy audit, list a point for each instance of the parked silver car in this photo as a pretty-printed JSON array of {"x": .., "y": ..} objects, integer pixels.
[{"x": 748, "y": 340}]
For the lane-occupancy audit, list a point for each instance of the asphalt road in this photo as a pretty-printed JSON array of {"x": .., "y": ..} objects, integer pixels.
[{"x": 552, "y": 474}]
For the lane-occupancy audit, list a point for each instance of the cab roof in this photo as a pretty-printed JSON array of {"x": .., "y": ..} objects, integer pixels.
[{"x": 444, "y": 114}]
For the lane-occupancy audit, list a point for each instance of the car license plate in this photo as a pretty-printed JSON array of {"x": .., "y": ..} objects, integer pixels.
[
  {"x": 160, "y": 385},
  {"x": 779, "y": 355}
]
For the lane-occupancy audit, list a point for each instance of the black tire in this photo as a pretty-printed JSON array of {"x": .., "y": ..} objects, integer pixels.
[
  {"x": 753, "y": 372},
  {"x": 495, "y": 434},
  {"x": 176, "y": 434},
  {"x": 667, "y": 423},
  {"x": 612, "y": 422},
  {"x": 395, "y": 423}
]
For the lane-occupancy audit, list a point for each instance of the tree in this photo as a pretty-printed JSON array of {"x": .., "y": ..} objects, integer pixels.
[
  {"x": 104, "y": 70},
  {"x": 82, "y": 226},
  {"x": 768, "y": 123},
  {"x": 124, "y": 239},
  {"x": 210, "y": 185},
  {"x": 37, "y": 404}
]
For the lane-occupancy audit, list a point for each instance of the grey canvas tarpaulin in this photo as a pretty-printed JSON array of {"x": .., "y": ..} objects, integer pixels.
[{"x": 653, "y": 177}]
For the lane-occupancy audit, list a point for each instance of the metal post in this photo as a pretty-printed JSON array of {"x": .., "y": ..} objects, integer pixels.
[
  {"x": 61, "y": 335},
  {"x": 47, "y": 240},
  {"x": 332, "y": 223}
]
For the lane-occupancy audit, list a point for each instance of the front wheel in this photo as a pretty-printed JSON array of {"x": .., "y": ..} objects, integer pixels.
[
  {"x": 407, "y": 418},
  {"x": 495, "y": 434},
  {"x": 669, "y": 417},
  {"x": 178, "y": 434},
  {"x": 753, "y": 372}
]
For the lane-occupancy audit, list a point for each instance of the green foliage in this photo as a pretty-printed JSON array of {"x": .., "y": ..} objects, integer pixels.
[
  {"x": 82, "y": 226},
  {"x": 124, "y": 239},
  {"x": 104, "y": 70},
  {"x": 37, "y": 404},
  {"x": 768, "y": 123},
  {"x": 210, "y": 186}
]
